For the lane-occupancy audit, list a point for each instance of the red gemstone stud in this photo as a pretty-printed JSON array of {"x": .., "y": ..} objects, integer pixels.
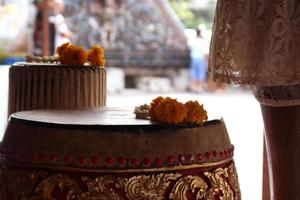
[
  {"x": 110, "y": 160},
  {"x": 53, "y": 157},
  {"x": 81, "y": 160},
  {"x": 122, "y": 161},
  {"x": 215, "y": 154},
  {"x": 181, "y": 158},
  {"x": 221, "y": 153},
  {"x": 171, "y": 159},
  {"x": 95, "y": 160},
  {"x": 135, "y": 162},
  {"x": 158, "y": 161},
  {"x": 42, "y": 157},
  {"x": 199, "y": 157},
  {"x": 226, "y": 153},
  {"x": 208, "y": 155},
  {"x": 147, "y": 162},
  {"x": 190, "y": 158},
  {"x": 67, "y": 159}
]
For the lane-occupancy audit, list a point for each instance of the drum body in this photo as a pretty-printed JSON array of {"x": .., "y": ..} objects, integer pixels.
[{"x": 106, "y": 153}]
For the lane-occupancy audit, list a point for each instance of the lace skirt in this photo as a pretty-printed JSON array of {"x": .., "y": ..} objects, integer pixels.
[{"x": 256, "y": 42}]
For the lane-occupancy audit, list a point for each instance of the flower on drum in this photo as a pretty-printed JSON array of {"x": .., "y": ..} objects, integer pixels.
[
  {"x": 73, "y": 55},
  {"x": 196, "y": 114},
  {"x": 96, "y": 56},
  {"x": 153, "y": 105},
  {"x": 169, "y": 111},
  {"x": 61, "y": 48}
]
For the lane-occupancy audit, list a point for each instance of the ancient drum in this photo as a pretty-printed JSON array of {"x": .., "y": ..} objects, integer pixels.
[{"x": 106, "y": 153}]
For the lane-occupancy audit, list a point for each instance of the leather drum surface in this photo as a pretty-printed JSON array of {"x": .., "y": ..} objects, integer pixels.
[{"x": 106, "y": 153}]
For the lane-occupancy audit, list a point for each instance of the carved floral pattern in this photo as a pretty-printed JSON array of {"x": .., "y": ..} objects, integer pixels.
[
  {"x": 100, "y": 188},
  {"x": 21, "y": 182},
  {"x": 151, "y": 187},
  {"x": 220, "y": 183},
  {"x": 57, "y": 186},
  {"x": 223, "y": 185},
  {"x": 189, "y": 183}
]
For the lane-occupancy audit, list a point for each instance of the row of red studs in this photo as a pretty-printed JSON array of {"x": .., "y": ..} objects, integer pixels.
[{"x": 171, "y": 160}]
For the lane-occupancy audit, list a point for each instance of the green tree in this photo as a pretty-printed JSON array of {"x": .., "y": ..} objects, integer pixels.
[
  {"x": 185, "y": 14},
  {"x": 195, "y": 12}
]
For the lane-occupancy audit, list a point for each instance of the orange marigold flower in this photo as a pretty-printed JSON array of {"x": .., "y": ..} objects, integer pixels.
[
  {"x": 96, "y": 56},
  {"x": 153, "y": 105},
  {"x": 61, "y": 48},
  {"x": 73, "y": 55},
  {"x": 196, "y": 114},
  {"x": 170, "y": 111}
]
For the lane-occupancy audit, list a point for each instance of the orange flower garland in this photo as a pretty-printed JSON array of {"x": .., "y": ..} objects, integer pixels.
[
  {"x": 196, "y": 113},
  {"x": 61, "y": 48},
  {"x": 96, "y": 55},
  {"x": 76, "y": 55},
  {"x": 153, "y": 105},
  {"x": 73, "y": 55},
  {"x": 170, "y": 111}
]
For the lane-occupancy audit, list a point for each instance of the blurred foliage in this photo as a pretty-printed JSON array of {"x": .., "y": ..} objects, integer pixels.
[{"x": 189, "y": 18}]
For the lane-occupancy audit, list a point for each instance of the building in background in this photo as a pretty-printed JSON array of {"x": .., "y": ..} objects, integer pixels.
[{"x": 143, "y": 37}]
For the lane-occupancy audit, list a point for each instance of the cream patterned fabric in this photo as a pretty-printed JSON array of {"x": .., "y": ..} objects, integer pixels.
[{"x": 256, "y": 42}]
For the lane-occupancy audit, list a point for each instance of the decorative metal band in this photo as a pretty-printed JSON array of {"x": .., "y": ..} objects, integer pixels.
[
  {"x": 113, "y": 162},
  {"x": 210, "y": 183}
]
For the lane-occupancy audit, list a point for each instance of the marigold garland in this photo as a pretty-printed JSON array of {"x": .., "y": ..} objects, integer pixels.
[
  {"x": 170, "y": 111},
  {"x": 76, "y": 55},
  {"x": 73, "y": 55},
  {"x": 61, "y": 48},
  {"x": 96, "y": 55},
  {"x": 153, "y": 105},
  {"x": 196, "y": 113}
]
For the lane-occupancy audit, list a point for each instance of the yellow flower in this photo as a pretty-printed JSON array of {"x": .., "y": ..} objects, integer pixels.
[
  {"x": 61, "y": 48},
  {"x": 73, "y": 55},
  {"x": 196, "y": 114},
  {"x": 96, "y": 56},
  {"x": 170, "y": 111}
]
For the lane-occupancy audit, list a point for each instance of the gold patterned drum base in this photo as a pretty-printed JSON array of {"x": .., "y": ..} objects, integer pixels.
[{"x": 194, "y": 182}]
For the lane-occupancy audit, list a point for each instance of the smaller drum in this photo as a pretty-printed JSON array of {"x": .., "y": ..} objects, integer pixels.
[
  {"x": 52, "y": 86},
  {"x": 106, "y": 153}
]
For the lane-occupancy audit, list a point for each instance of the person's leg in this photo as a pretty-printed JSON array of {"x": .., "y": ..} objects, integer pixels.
[
  {"x": 194, "y": 75},
  {"x": 282, "y": 126},
  {"x": 201, "y": 65}
]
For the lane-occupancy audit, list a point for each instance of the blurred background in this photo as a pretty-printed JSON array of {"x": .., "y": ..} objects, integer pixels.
[{"x": 153, "y": 48}]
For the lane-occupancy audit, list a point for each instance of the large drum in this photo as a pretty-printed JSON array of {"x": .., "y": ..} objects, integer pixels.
[{"x": 106, "y": 153}]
